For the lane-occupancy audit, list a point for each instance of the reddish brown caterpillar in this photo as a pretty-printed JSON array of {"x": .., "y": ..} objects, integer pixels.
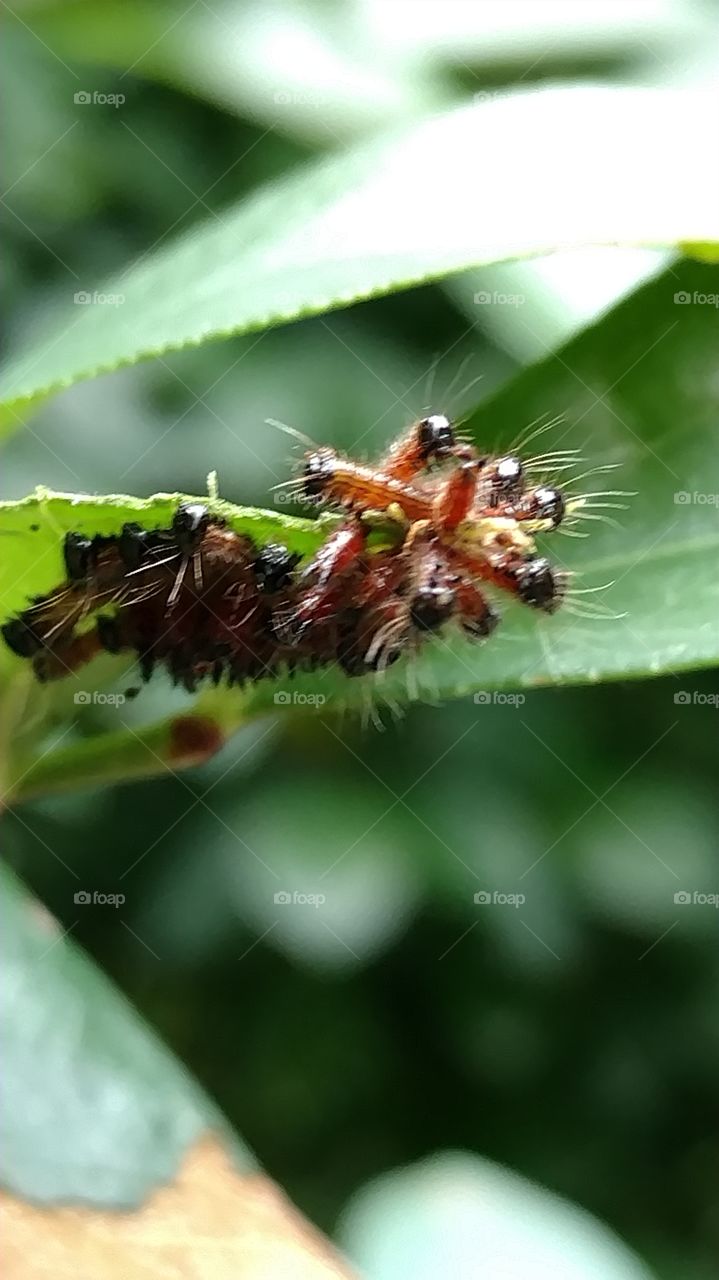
[
  {"x": 201, "y": 601},
  {"x": 196, "y": 598},
  {"x": 463, "y": 520},
  {"x": 204, "y": 601}
]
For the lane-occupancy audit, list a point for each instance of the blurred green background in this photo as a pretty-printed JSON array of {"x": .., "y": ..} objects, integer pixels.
[{"x": 574, "y": 1038}]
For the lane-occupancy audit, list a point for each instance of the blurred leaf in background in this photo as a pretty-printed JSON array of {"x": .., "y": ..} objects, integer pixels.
[{"x": 457, "y": 1215}]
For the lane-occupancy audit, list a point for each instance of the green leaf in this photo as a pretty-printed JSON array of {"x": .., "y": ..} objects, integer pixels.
[
  {"x": 99, "y": 1116},
  {"x": 450, "y": 192},
  {"x": 637, "y": 390},
  {"x": 96, "y": 1109}
]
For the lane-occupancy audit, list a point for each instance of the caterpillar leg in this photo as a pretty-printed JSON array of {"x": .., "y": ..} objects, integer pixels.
[
  {"x": 323, "y": 584},
  {"x": 529, "y": 577},
  {"x": 502, "y": 491},
  {"x": 456, "y": 498},
  {"x": 360, "y": 488},
  {"x": 429, "y": 441},
  {"x": 66, "y": 656},
  {"x": 404, "y": 595},
  {"x": 477, "y": 617}
]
